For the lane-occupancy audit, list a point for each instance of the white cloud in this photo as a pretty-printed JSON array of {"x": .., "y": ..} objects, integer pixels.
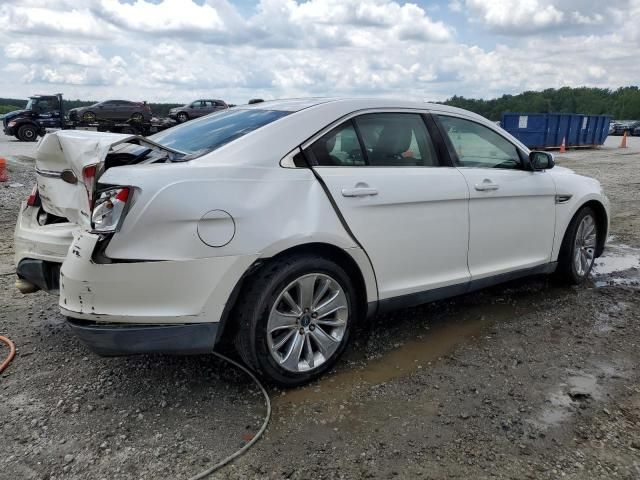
[
  {"x": 176, "y": 50},
  {"x": 166, "y": 17},
  {"x": 522, "y": 17},
  {"x": 516, "y": 15}
]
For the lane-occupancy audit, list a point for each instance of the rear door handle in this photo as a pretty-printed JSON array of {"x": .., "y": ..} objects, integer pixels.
[
  {"x": 359, "y": 192},
  {"x": 486, "y": 185}
]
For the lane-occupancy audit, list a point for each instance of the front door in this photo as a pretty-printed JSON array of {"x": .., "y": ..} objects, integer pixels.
[
  {"x": 512, "y": 209},
  {"x": 407, "y": 210}
]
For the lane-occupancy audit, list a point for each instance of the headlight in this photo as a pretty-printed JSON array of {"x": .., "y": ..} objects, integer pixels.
[
  {"x": 109, "y": 209},
  {"x": 12, "y": 123}
]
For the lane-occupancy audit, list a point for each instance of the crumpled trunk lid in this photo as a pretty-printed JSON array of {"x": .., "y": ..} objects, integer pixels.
[{"x": 60, "y": 159}]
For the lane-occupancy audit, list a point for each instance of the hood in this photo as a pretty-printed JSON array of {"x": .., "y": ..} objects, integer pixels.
[
  {"x": 562, "y": 170},
  {"x": 15, "y": 113}
]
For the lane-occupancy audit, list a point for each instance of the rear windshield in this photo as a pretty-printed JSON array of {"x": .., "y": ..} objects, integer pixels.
[{"x": 203, "y": 135}]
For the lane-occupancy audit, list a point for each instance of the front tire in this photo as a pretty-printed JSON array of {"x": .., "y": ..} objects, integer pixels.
[
  {"x": 183, "y": 117},
  {"x": 27, "y": 133},
  {"x": 295, "y": 317},
  {"x": 578, "y": 250},
  {"x": 89, "y": 117}
]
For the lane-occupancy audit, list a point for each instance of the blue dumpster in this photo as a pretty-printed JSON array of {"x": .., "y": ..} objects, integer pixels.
[{"x": 547, "y": 130}]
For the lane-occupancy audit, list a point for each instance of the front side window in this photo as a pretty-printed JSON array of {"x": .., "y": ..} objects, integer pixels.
[
  {"x": 203, "y": 135},
  {"x": 479, "y": 146},
  {"x": 396, "y": 140}
]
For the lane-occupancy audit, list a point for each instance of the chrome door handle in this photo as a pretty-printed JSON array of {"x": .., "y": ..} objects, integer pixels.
[
  {"x": 486, "y": 185},
  {"x": 359, "y": 192}
]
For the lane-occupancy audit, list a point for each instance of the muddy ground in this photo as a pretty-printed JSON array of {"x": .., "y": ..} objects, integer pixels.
[{"x": 525, "y": 380}]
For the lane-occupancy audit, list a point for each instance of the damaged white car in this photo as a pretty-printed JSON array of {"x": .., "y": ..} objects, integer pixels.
[{"x": 280, "y": 225}]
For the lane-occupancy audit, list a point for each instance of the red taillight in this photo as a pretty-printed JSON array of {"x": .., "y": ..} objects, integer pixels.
[
  {"x": 89, "y": 179},
  {"x": 123, "y": 195},
  {"x": 34, "y": 199}
]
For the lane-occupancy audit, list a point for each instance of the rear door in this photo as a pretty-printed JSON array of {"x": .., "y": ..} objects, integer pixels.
[
  {"x": 512, "y": 209},
  {"x": 209, "y": 107},
  {"x": 402, "y": 203},
  {"x": 197, "y": 109}
]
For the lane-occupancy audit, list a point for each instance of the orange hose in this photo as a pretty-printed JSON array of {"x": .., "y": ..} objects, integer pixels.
[{"x": 12, "y": 352}]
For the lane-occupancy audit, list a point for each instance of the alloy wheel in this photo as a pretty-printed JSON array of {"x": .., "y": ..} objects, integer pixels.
[
  {"x": 584, "y": 246},
  {"x": 307, "y": 322}
]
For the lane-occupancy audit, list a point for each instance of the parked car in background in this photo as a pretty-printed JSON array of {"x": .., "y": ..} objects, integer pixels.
[
  {"x": 278, "y": 226},
  {"x": 112, "y": 110},
  {"x": 629, "y": 126},
  {"x": 197, "y": 108}
]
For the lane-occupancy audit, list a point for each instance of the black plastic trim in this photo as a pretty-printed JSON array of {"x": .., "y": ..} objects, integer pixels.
[
  {"x": 419, "y": 298},
  {"x": 134, "y": 339},
  {"x": 41, "y": 273}
]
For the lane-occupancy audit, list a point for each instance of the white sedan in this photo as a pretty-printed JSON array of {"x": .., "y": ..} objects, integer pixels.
[{"x": 280, "y": 225}]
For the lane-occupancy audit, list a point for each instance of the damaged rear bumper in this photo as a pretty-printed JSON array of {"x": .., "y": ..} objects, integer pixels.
[
  {"x": 122, "y": 304},
  {"x": 118, "y": 339}
]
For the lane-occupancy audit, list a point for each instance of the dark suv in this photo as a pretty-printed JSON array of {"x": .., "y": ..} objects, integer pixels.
[
  {"x": 196, "y": 109},
  {"x": 112, "y": 110}
]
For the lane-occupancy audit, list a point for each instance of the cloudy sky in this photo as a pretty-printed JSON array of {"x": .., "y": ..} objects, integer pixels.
[{"x": 178, "y": 50}]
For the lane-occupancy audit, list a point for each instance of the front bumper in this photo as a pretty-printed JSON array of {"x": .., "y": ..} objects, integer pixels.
[
  {"x": 113, "y": 339},
  {"x": 11, "y": 131}
]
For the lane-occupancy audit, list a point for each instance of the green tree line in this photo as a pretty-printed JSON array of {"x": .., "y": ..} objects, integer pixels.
[{"x": 621, "y": 104}]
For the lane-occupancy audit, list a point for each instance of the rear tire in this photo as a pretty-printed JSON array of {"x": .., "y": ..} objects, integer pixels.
[
  {"x": 290, "y": 334},
  {"x": 577, "y": 253},
  {"x": 27, "y": 133},
  {"x": 137, "y": 117}
]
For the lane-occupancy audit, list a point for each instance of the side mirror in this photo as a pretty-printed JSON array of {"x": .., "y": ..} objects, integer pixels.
[{"x": 541, "y": 161}]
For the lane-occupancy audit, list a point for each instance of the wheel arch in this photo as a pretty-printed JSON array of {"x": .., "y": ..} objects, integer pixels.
[
  {"x": 602, "y": 219},
  {"x": 602, "y": 222},
  {"x": 342, "y": 257}
]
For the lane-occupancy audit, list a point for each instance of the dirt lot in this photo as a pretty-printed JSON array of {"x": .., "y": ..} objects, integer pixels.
[{"x": 526, "y": 380}]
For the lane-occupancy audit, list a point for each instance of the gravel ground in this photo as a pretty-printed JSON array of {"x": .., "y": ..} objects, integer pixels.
[{"x": 525, "y": 380}]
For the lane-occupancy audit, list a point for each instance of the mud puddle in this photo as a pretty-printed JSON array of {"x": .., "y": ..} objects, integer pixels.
[
  {"x": 433, "y": 341},
  {"x": 619, "y": 265}
]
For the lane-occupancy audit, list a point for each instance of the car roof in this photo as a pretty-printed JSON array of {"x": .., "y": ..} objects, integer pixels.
[{"x": 354, "y": 104}]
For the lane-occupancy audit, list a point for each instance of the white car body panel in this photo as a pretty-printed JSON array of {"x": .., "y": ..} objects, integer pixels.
[
  {"x": 48, "y": 242},
  {"x": 427, "y": 228},
  {"x": 511, "y": 228},
  {"x": 582, "y": 190},
  {"x": 186, "y": 291},
  {"x": 396, "y": 226}
]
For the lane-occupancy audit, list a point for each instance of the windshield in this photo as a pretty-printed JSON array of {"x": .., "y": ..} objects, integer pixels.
[
  {"x": 206, "y": 134},
  {"x": 30, "y": 104}
]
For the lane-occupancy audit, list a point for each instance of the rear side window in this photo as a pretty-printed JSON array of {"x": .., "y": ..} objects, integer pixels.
[
  {"x": 389, "y": 139},
  {"x": 396, "y": 140},
  {"x": 338, "y": 147},
  {"x": 478, "y": 146},
  {"x": 203, "y": 135}
]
